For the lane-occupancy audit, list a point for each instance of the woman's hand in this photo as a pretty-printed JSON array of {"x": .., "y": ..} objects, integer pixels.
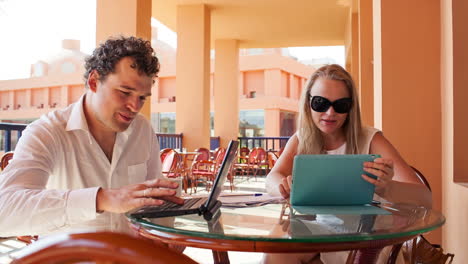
[
  {"x": 285, "y": 187},
  {"x": 383, "y": 169}
]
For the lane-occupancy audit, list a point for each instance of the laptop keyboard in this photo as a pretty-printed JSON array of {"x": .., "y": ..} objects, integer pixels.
[{"x": 187, "y": 204}]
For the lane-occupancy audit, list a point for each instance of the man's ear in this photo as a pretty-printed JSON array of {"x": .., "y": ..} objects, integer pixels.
[{"x": 93, "y": 80}]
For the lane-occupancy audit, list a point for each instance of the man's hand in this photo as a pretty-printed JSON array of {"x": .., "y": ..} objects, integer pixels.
[
  {"x": 133, "y": 196},
  {"x": 285, "y": 187}
]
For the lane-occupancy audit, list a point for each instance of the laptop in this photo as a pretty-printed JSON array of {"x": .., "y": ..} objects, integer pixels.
[
  {"x": 332, "y": 184},
  {"x": 206, "y": 206}
]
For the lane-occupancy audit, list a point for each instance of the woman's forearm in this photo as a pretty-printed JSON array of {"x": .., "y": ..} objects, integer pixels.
[{"x": 403, "y": 192}]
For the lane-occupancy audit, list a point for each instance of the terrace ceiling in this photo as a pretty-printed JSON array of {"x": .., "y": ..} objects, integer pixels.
[{"x": 268, "y": 23}]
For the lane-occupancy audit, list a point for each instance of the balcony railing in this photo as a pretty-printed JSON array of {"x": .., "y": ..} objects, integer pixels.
[
  {"x": 5, "y": 130},
  {"x": 173, "y": 141},
  {"x": 268, "y": 143}
]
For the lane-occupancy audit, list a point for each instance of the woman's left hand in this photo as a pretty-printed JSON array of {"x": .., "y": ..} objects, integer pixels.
[{"x": 383, "y": 169}]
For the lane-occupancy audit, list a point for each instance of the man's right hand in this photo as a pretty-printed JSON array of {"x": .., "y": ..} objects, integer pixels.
[
  {"x": 285, "y": 187},
  {"x": 133, "y": 196}
]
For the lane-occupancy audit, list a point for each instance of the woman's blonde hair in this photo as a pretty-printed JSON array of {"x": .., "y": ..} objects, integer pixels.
[{"x": 310, "y": 138}]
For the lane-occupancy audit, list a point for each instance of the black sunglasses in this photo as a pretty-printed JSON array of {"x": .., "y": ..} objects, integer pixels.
[{"x": 321, "y": 104}]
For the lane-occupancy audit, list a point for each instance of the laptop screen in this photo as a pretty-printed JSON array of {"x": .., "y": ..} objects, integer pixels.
[{"x": 222, "y": 173}]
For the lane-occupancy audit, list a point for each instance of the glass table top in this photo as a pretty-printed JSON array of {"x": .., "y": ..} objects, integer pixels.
[{"x": 282, "y": 223}]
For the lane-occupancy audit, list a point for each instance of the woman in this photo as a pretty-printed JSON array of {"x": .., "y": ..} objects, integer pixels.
[{"x": 330, "y": 123}]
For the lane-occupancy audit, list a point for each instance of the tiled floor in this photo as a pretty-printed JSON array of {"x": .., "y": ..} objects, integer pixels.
[{"x": 9, "y": 246}]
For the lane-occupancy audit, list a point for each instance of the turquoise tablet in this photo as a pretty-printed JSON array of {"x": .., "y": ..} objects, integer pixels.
[{"x": 331, "y": 180}]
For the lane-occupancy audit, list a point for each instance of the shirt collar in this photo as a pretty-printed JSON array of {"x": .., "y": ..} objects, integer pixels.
[{"x": 77, "y": 120}]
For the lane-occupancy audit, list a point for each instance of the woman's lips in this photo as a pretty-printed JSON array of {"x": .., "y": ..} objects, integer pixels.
[{"x": 328, "y": 121}]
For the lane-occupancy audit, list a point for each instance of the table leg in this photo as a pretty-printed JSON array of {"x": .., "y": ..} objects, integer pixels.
[
  {"x": 364, "y": 256},
  {"x": 220, "y": 257}
]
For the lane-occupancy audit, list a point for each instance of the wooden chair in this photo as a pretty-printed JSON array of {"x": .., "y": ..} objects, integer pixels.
[
  {"x": 3, "y": 163},
  {"x": 419, "y": 250},
  {"x": 203, "y": 154},
  {"x": 163, "y": 153},
  {"x": 98, "y": 247},
  {"x": 215, "y": 153},
  {"x": 170, "y": 164},
  {"x": 245, "y": 166},
  {"x": 206, "y": 170},
  {"x": 6, "y": 159},
  {"x": 243, "y": 154},
  {"x": 259, "y": 160},
  {"x": 421, "y": 178},
  {"x": 272, "y": 158}
]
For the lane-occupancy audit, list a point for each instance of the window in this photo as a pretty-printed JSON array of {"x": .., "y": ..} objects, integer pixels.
[
  {"x": 287, "y": 123},
  {"x": 68, "y": 67},
  {"x": 164, "y": 122},
  {"x": 252, "y": 123}
]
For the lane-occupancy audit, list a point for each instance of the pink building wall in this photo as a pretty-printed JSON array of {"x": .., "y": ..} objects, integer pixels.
[{"x": 275, "y": 82}]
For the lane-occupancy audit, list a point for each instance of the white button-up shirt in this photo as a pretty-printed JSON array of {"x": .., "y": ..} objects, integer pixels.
[{"x": 57, "y": 169}]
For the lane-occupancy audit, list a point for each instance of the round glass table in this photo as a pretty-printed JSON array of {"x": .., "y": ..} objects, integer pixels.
[{"x": 279, "y": 228}]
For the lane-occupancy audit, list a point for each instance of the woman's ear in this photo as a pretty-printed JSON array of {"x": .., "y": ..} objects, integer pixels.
[{"x": 93, "y": 80}]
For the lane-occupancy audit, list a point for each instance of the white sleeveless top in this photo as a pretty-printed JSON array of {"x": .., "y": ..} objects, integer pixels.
[{"x": 365, "y": 140}]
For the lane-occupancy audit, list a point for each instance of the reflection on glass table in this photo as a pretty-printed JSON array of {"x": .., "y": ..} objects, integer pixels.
[{"x": 277, "y": 228}]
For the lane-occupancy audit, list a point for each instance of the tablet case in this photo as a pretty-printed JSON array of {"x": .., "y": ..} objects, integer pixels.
[{"x": 331, "y": 180}]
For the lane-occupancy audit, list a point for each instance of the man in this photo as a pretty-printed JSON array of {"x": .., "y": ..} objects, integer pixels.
[{"x": 85, "y": 165}]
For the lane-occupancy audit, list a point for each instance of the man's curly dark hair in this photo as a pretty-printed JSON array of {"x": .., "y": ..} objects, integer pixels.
[{"x": 108, "y": 54}]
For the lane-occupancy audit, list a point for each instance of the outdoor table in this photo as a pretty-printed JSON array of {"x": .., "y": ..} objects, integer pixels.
[{"x": 276, "y": 228}]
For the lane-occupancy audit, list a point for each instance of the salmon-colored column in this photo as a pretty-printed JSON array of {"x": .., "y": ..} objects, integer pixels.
[
  {"x": 355, "y": 48},
  {"x": 272, "y": 81},
  {"x": 11, "y": 99},
  {"x": 226, "y": 90},
  {"x": 366, "y": 68},
  {"x": 409, "y": 72},
  {"x": 124, "y": 17},
  {"x": 193, "y": 75},
  {"x": 46, "y": 97},
  {"x": 28, "y": 99},
  {"x": 272, "y": 122},
  {"x": 455, "y": 127},
  {"x": 64, "y": 96}
]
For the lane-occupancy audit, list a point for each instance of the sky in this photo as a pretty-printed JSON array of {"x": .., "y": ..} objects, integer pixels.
[{"x": 31, "y": 30}]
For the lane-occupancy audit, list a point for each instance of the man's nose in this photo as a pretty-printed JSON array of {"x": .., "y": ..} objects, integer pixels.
[{"x": 134, "y": 104}]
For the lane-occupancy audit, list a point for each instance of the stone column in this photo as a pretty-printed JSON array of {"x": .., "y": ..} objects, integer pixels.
[
  {"x": 226, "y": 90},
  {"x": 193, "y": 75}
]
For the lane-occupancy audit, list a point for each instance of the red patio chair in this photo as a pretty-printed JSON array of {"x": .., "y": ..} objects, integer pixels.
[
  {"x": 170, "y": 164},
  {"x": 6, "y": 159},
  {"x": 259, "y": 161},
  {"x": 205, "y": 170},
  {"x": 272, "y": 158},
  {"x": 163, "y": 153}
]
